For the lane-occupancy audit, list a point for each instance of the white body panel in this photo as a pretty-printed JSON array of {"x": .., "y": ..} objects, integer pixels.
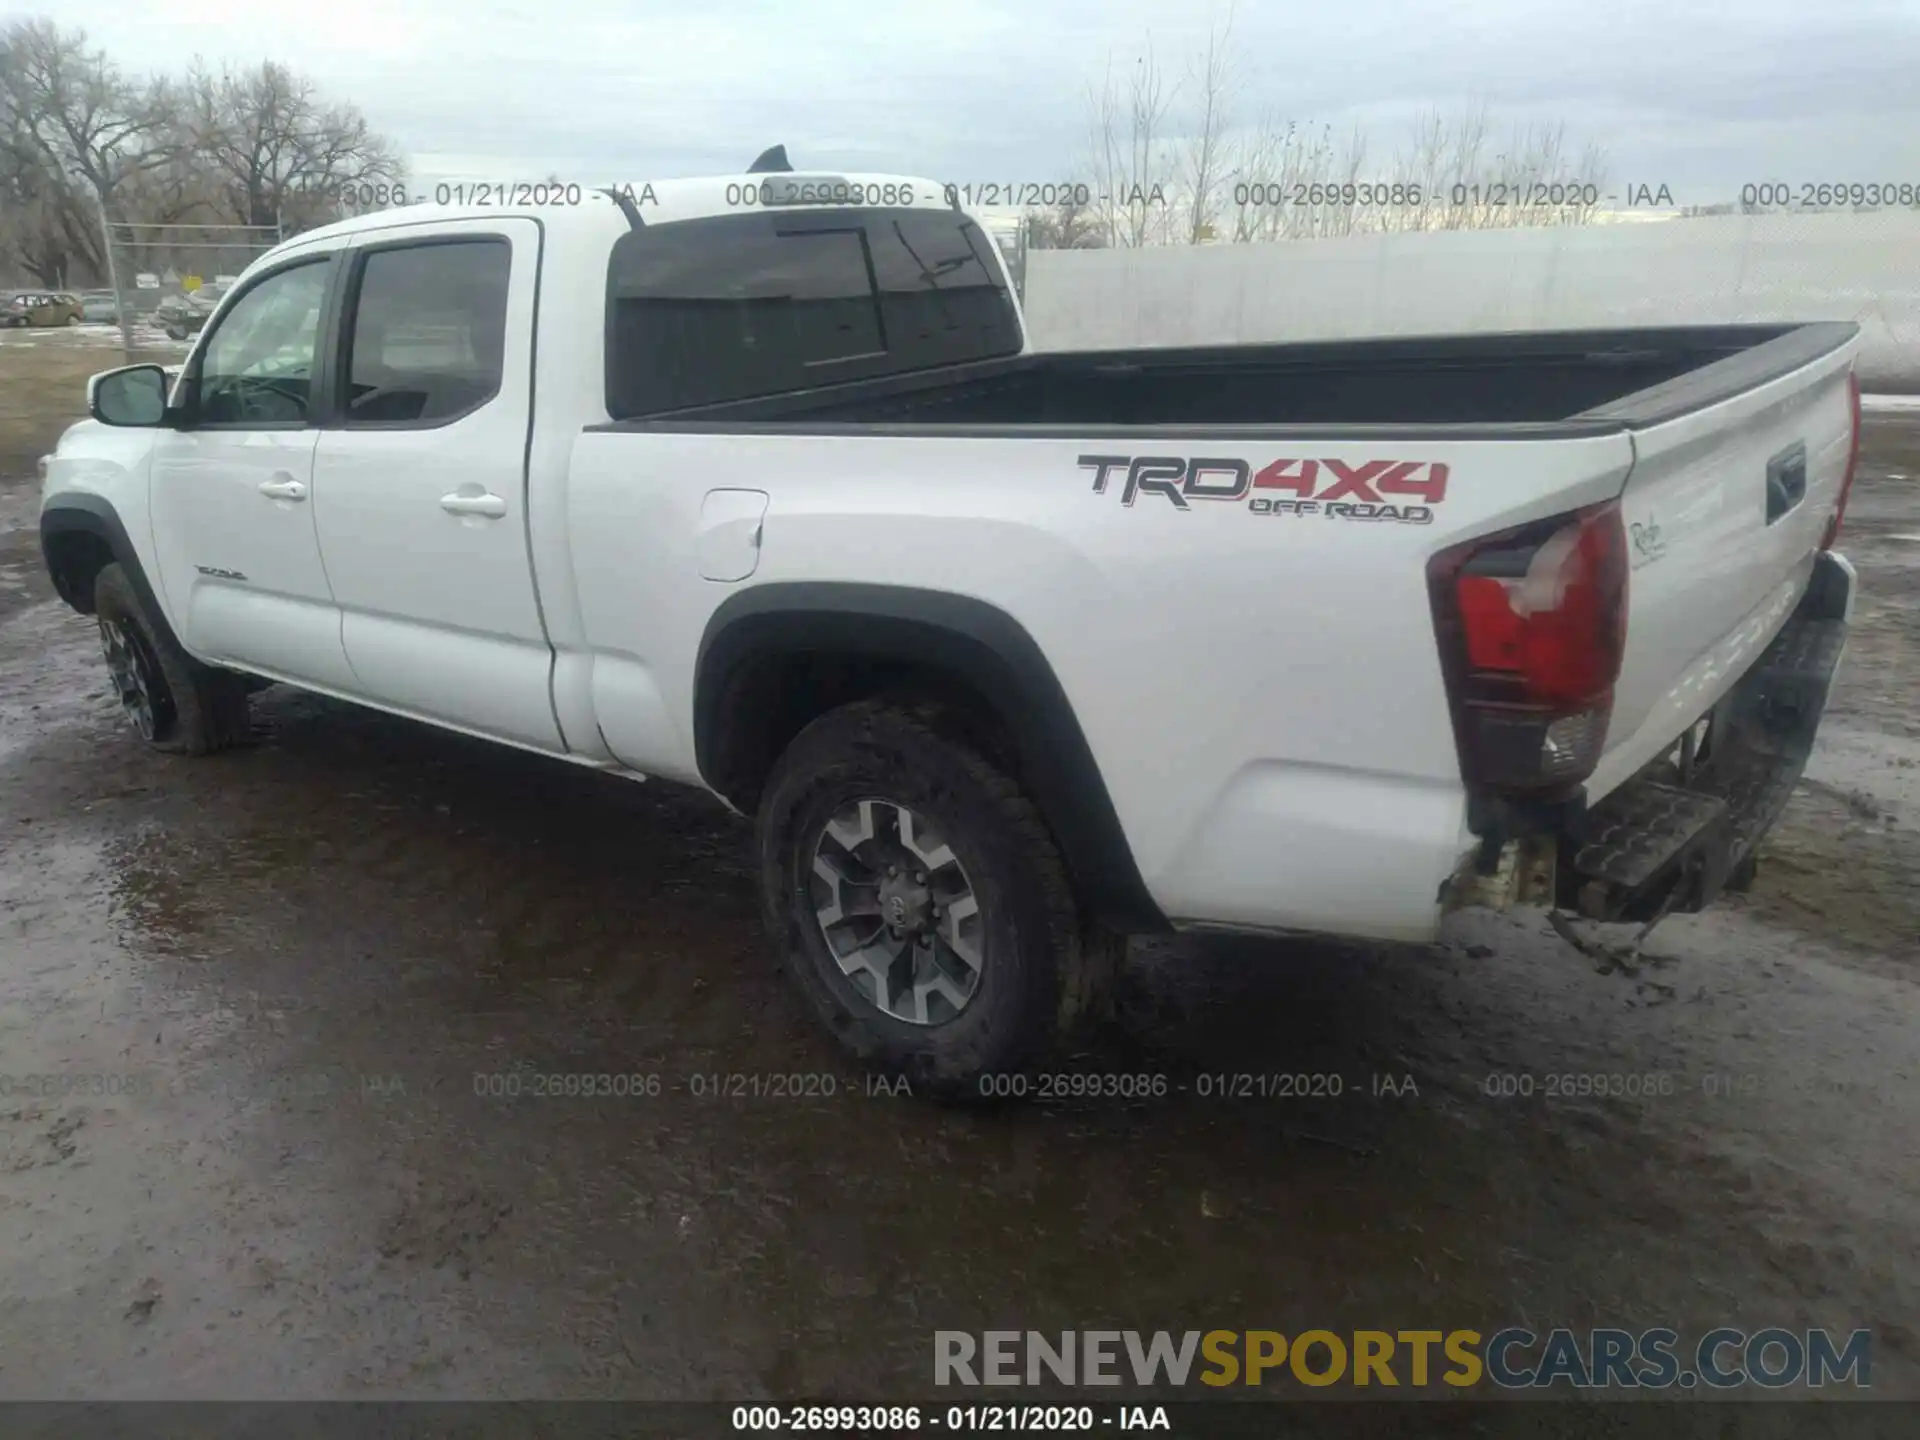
[
  {"x": 241, "y": 568},
  {"x": 438, "y": 612},
  {"x": 1717, "y": 582},
  {"x": 1262, "y": 694}
]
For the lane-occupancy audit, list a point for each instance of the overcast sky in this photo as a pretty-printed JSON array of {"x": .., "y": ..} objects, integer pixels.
[{"x": 1701, "y": 97}]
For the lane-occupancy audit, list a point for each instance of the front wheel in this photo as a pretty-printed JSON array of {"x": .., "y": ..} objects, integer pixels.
[
  {"x": 173, "y": 701},
  {"x": 919, "y": 901}
]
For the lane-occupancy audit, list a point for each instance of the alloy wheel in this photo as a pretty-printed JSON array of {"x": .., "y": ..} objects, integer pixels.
[
  {"x": 897, "y": 911},
  {"x": 140, "y": 690}
]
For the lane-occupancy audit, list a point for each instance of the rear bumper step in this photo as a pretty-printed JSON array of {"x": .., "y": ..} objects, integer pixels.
[
  {"x": 1661, "y": 842},
  {"x": 1636, "y": 842}
]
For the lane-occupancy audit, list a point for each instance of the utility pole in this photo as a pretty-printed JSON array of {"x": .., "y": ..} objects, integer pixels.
[{"x": 120, "y": 306}]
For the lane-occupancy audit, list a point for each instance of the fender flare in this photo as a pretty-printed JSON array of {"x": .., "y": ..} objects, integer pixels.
[
  {"x": 75, "y": 511},
  {"x": 978, "y": 644}
]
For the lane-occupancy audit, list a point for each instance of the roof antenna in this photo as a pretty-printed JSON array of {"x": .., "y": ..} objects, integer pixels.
[{"x": 771, "y": 160}]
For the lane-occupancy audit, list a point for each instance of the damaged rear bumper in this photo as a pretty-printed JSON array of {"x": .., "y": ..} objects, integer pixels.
[{"x": 1684, "y": 830}]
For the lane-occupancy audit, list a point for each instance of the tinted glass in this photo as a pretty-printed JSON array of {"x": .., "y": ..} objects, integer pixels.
[
  {"x": 429, "y": 332},
  {"x": 704, "y": 311},
  {"x": 941, "y": 297},
  {"x": 257, "y": 367}
]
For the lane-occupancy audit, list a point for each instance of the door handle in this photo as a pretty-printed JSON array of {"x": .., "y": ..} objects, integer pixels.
[
  {"x": 491, "y": 506},
  {"x": 1786, "y": 480},
  {"x": 287, "y": 489}
]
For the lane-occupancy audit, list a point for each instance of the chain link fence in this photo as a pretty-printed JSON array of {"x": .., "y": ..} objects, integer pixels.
[{"x": 166, "y": 278}]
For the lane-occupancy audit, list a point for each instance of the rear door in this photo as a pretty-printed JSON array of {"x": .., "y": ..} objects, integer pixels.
[
  {"x": 1725, "y": 509},
  {"x": 422, "y": 476}
]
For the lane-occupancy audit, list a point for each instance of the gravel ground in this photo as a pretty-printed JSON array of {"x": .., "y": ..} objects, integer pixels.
[{"x": 305, "y": 959}]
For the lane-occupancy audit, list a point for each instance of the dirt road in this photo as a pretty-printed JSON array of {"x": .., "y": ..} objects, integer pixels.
[{"x": 285, "y": 995}]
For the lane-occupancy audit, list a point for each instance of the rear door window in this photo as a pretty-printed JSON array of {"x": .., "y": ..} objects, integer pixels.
[
  {"x": 700, "y": 312},
  {"x": 427, "y": 342}
]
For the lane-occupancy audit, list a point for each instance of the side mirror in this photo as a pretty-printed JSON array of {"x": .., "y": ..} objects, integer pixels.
[{"x": 133, "y": 396}]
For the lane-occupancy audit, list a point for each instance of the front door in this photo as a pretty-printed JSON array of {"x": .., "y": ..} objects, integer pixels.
[{"x": 232, "y": 489}]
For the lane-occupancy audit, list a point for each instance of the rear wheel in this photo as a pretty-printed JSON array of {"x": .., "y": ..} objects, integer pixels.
[
  {"x": 173, "y": 701},
  {"x": 919, "y": 902}
]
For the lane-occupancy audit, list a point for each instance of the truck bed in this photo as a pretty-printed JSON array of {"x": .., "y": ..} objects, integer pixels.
[
  {"x": 1584, "y": 381},
  {"x": 1724, "y": 450}
]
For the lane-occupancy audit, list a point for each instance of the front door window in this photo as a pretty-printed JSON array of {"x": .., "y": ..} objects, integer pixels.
[{"x": 257, "y": 367}]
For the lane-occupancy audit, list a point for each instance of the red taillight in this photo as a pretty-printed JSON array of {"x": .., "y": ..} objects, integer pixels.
[
  {"x": 1533, "y": 626},
  {"x": 1853, "y": 462}
]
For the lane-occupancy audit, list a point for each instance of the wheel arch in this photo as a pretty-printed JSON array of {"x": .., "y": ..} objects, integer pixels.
[
  {"x": 80, "y": 535},
  {"x": 776, "y": 656}
]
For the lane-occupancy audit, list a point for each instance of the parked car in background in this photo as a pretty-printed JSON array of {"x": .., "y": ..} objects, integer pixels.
[
  {"x": 182, "y": 316},
  {"x": 100, "y": 307},
  {"x": 40, "y": 307}
]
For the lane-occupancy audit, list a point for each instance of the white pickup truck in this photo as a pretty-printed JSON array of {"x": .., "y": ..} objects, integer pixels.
[{"x": 753, "y": 483}]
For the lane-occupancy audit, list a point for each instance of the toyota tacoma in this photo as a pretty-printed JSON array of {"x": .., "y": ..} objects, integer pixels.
[{"x": 754, "y": 483}]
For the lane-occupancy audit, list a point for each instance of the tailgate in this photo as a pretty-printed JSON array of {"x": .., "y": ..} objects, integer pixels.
[{"x": 1737, "y": 469}]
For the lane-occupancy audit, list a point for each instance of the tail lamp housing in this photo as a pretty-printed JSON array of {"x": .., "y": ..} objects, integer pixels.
[
  {"x": 1532, "y": 624},
  {"x": 1853, "y": 461}
]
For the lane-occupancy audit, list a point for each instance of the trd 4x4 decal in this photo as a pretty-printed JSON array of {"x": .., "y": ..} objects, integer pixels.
[{"x": 1333, "y": 489}]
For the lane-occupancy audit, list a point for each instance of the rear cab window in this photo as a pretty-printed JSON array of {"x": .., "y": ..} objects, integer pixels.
[{"x": 734, "y": 307}]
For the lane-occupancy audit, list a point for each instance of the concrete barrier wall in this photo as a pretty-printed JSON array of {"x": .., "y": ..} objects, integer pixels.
[{"x": 1719, "y": 269}]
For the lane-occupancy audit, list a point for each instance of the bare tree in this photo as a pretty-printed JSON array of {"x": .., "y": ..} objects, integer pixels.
[
  {"x": 279, "y": 153},
  {"x": 1257, "y": 194},
  {"x": 1206, "y": 158},
  {"x": 1072, "y": 224},
  {"x": 81, "y": 139},
  {"x": 1293, "y": 183},
  {"x": 78, "y": 132},
  {"x": 1469, "y": 180},
  {"x": 1544, "y": 183},
  {"x": 1132, "y": 156},
  {"x": 1344, "y": 206},
  {"x": 1432, "y": 170},
  {"x": 44, "y": 231},
  {"x": 1282, "y": 179},
  {"x": 78, "y": 136},
  {"x": 30, "y": 214}
]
